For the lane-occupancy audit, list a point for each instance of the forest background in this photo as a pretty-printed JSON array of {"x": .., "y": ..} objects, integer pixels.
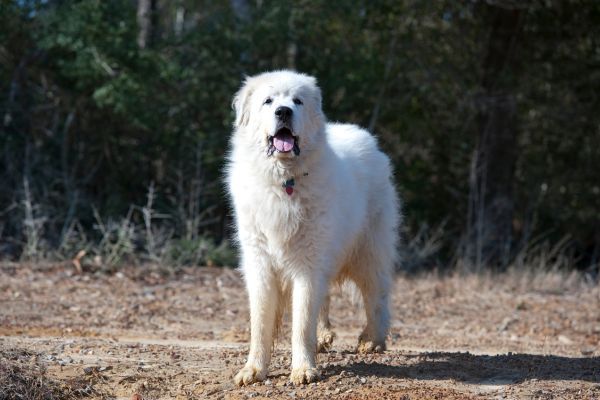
[{"x": 115, "y": 117}]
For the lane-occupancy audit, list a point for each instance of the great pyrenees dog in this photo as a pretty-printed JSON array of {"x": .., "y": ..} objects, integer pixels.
[{"x": 314, "y": 205}]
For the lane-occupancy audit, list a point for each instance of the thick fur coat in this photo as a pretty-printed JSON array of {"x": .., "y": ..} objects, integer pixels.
[{"x": 314, "y": 204}]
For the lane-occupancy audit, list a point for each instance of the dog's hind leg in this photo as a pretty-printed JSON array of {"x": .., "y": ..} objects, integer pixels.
[
  {"x": 325, "y": 335},
  {"x": 375, "y": 292},
  {"x": 374, "y": 277}
]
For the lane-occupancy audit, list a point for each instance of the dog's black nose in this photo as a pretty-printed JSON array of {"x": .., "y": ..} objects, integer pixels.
[{"x": 283, "y": 113}]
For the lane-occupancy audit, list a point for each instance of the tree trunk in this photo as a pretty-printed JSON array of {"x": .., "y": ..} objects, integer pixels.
[
  {"x": 243, "y": 17},
  {"x": 146, "y": 19},
  {"x": 491, "y": 188},
  {"x": 179, "y": 22},
  {"x": 292, "y": 46}
]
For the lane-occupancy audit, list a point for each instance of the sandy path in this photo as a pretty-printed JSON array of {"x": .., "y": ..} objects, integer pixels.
[{"x": 184, "y": 335}]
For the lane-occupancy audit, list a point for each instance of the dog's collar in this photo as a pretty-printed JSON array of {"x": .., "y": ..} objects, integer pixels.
[{"x": 288, "y": 185}]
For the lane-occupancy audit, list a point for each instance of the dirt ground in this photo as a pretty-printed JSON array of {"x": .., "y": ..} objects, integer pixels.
[{"x": 143, "y": 333}]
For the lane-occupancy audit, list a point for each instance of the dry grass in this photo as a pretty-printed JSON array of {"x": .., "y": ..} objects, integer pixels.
[
  {"x": 523, "y": 279},
  {"x": 23, "y": 377}
]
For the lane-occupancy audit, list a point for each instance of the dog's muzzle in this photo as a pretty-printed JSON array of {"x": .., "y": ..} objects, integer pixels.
[{"x": 284, "y": 140}]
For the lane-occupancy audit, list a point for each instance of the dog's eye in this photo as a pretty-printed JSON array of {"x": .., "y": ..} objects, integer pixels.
[
  {"x": 297, "y": 101},
  {"x": 268, "y": 100}
]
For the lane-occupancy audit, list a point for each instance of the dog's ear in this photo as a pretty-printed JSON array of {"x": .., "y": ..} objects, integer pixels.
[
  {"x": 316, "y": 91},
  {"x": 241, "y": 104}
]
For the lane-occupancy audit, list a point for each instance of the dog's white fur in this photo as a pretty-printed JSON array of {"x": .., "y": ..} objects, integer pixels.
[{"x": 341, "y": 222}]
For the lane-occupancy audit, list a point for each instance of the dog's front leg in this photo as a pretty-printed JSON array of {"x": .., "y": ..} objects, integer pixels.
[
  {"x": 307, "y": 295},
  {"x": 263, "y": 294}
]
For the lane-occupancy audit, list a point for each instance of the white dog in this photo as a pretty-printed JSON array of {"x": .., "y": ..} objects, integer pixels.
[{"x": 314, "y": 204}]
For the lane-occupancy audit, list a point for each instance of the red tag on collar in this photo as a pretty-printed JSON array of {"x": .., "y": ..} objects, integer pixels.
[{"x": 289, "y": 186}]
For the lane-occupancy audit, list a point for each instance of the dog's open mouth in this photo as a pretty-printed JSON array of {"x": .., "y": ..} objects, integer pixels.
[{"x": 283, "y": 142}]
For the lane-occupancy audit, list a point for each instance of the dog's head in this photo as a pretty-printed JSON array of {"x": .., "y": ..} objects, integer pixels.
[{"x": 279, "y": 113}]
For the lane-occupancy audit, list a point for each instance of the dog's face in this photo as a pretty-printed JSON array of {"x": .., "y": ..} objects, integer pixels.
[{"x": 280, "y": 112}]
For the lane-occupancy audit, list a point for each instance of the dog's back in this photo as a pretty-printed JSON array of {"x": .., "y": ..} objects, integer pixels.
[{"x": 367, "y": 187}]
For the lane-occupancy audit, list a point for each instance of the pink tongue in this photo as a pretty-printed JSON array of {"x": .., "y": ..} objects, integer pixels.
[{"x": 283, "y": 143}]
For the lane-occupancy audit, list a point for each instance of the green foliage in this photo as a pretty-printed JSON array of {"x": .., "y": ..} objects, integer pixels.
[{"x": 90, "y": 119}]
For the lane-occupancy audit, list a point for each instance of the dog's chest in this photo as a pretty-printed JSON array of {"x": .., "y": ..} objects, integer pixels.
[
  {"x": 281, "y": 218},
  {"x": 277, "y": 217}
]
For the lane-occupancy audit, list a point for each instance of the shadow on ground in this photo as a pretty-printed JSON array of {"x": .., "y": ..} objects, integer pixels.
[{"x": 480, "y": 369}]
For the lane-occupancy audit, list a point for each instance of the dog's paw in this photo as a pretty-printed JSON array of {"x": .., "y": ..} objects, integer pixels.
[
  {"x": 370, "y": 346},
  {"x": 325, "y": 341},
  {"x": 303, "y": 375},
  {"x": 249, "y": 374}
]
